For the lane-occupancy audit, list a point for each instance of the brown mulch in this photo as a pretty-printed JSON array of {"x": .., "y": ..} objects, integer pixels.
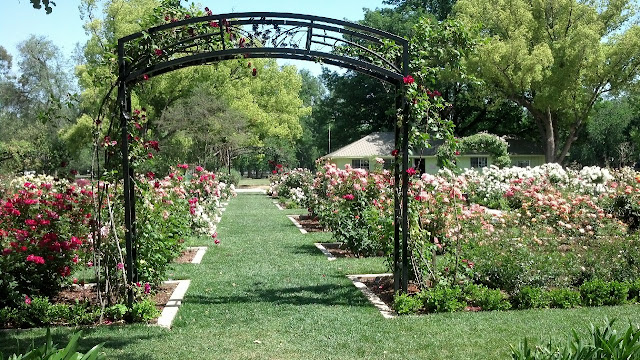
[
  {"x": 339, "y": 250},
  {"x": 86, "y": 294},
  {"x": 186, "y": 257},
  {"x": 309, "y": 223}
]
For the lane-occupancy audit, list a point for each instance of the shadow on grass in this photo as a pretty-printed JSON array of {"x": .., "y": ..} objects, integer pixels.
[
  {"x": 329, "y": 295},
  {"x": 306, "y": 249},
  {"x": 21, "y": 341}
]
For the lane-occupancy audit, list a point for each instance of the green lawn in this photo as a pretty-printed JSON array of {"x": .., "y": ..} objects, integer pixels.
[
  {"x": 253, "y": 182},
  {"x": 267, "y": 293}
]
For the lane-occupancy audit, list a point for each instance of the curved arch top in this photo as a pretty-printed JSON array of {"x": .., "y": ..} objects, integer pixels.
[{"x": 213, "y": 38}]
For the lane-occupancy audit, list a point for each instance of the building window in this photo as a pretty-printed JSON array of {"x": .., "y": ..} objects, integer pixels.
[
  {"x": 522, "y": 163},
  {"x": 360, "y": 163},
  {"x": 479, "y": 162}
]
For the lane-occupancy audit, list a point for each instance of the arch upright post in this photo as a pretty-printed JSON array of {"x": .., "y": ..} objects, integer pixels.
[{"x": 124, "y": 107}]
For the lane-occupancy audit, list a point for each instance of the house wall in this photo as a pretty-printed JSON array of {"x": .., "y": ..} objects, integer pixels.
[
  {"x": 431, "y": 163},
  {"x": 535, "y": 160}
]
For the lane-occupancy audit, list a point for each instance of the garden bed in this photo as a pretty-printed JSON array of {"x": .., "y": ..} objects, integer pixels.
[
  {"x": 77, "y": 293},
  {"x": 85, "y": 295},
  {"x": 191, "y": 255},
  {"x": 309, "y": 223},
  {"x": 187, "y": 256},
  {"x": 338, "y": 250},
  {"x": 382, "y": 286}
]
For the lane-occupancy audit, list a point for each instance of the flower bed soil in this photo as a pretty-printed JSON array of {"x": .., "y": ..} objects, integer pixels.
[
  {"x": 338, "y": 250},
  {"x": 382, "y": 286},
  {"x": 85, "y": 294},
  {"x": 187, "y": 256},
  {"x": 310, "y": 223}
]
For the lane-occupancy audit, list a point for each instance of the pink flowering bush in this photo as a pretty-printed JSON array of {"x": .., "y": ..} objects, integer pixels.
[
  {"x": 44, "y": 229},
  {"x": 560, "y": 231},
  {"x": 353, "y": 203}
]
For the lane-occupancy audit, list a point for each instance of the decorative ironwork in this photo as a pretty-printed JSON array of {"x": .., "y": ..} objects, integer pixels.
[{"x": 213, "y": 38}]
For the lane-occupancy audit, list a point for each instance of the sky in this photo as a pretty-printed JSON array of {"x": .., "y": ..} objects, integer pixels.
[{"x": 18, "y": 19}]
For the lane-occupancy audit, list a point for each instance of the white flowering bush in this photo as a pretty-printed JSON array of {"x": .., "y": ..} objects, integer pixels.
[{"x": 292, "y": 187}]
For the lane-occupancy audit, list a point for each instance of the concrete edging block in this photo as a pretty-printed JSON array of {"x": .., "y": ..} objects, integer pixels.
[
  {"x": 173, "y": 305},
  {"x": 386, "y": 312},
  {"x": 296, "y": 223}
]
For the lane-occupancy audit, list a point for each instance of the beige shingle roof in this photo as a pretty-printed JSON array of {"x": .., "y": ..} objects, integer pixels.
[
  {"x": 381, "y": 144},
  {"x": 375, "y": 144}
]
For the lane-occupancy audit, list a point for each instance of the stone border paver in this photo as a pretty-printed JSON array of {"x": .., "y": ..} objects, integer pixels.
[
  {"x": 199, "y": 254},
  {"x": 278, "y": 205},
  {"x": 326, "y": 252},
  {"x": 296, "y": 223},
  {"x": 171, "y": 308},
  {"x": 386, "y": 312}
]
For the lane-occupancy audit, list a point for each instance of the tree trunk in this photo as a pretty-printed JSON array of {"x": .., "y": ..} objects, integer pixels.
[{"x": 549, "y": 137}]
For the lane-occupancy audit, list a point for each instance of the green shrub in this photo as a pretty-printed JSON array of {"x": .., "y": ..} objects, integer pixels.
[
  {"x": 83, "y": 314},
  {"x": 144, "y": 311},
  {"x": 8, "y": 315},
  {"x": 406, "y": 304},
  {"x": 59, "y": 313},
  {"x": 443, "y": 299},
  {"x": 233, "y": 178},
  {"x": 598, "y": 293},
  {"x": 530, "y": 298},
  {"x": 634, "y": 291},
  {"x": 116, "y": 312},
  {"x": 485, "y": 298},
  {"x": 563, "y": 298},
  {"x": 35, "y": 313},
  {"x": 605, "y": 343}
]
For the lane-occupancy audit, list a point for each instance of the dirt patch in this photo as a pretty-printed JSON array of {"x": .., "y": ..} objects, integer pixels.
[
  {"x": 187, "y": 256},
  {"x": 309, "y": 223}
]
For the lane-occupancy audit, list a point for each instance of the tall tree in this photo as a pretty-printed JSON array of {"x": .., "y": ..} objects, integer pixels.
[
  {"x": 308, "y": 145},
  {"x": 267, "y": 98},
  {"x": 555, "y": 58},
  {"x": 31, "y": 111},
  {"x": 439, "y": 8},
  {"x": 607, "y": 139}
]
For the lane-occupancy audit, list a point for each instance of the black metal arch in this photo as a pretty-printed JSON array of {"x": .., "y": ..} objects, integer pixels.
[{"x": 214, "y": 38}]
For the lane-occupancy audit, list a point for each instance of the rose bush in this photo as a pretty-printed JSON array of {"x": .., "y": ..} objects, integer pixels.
[
  {"x": 293, "y": 186},
  {"x": 44, "y": 229},
  {"x": 354, "y": 204},
  {"x": 561, "y": 228}
]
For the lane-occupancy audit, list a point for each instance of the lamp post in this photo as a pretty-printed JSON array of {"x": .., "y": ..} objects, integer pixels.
[{"x": 329, "y": 139}]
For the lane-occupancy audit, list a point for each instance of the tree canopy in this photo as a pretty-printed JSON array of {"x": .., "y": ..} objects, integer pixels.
[{"x": 555, "y": 58}]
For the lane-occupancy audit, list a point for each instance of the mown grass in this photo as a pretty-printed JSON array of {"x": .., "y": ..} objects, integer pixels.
[
  {"x": 254, "y": 182},
  {"x": 267, "y": 293}
]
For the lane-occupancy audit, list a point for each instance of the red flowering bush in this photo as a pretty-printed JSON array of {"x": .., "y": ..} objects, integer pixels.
[{"x": 44, "y": 227}]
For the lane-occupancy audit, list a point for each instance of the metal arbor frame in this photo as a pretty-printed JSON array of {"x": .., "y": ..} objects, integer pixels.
[{"x": 213, "y": 38}]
